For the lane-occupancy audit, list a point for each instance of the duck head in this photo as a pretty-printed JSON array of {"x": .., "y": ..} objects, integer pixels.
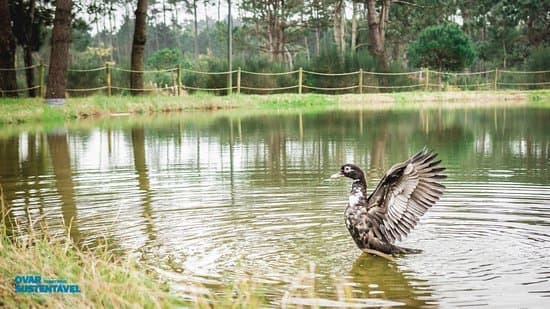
[{"x": 351, "y": 171}]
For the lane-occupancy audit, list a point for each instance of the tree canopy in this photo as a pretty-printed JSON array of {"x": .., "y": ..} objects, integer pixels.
[
  {"x": 271, "y": 35},
  {"x": 442, "y": 47}
]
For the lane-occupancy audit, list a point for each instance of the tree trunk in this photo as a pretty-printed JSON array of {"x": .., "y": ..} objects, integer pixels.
[
  {"x": 339, "y": 28},
  {"x": 343, "y": 29},
  {"x": 208, "y": 40},
  {"x": 8, "y": 78},
  {"x": 377, "y": 31},
  {"x": 138, "y": 48},
  {"x": 30, "y": 41},
  {"x": 195, "y": 28},
  {"x": 276, "y": 36},
  {"x": 354, "y": 27},
  {"x": 281, "y": 46},
  {"x": 306, "y": 44},
  {"x": 29, "y": 72},
  {"x": 317, "y": 41},
  {"x": 59, "y": 56},
  {"x": 504, "y": 54}
]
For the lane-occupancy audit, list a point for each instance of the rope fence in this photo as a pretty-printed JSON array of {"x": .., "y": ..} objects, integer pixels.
[{"x": 109, "y": 80}]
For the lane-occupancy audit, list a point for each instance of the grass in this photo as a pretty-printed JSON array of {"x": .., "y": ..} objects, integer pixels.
[
  {"x": 27, "y": 110},
  {"x": 104, "y": 280}
]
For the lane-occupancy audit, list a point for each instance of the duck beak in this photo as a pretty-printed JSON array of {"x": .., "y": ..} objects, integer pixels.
[{"x": 337, "y": 175}]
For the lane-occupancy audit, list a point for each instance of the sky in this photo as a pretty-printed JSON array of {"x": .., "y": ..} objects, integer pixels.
[{"x": 182, "y": 14}]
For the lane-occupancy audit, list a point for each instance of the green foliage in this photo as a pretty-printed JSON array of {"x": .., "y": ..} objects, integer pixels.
[
  {"x": 443, "y": 47},
  {"x": 83, "y": 71},
  {"x": 166, "y": 58},
  {"x": 539, "y": 60},
  {"x": 262, "y": 64},
  {"x": 80, "y": 35}
]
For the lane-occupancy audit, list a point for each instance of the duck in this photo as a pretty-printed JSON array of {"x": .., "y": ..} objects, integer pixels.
[{"x": 403, "y": 195}]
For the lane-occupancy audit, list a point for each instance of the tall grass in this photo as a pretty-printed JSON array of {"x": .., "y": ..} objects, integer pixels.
[{"x": 104, "y": 280}]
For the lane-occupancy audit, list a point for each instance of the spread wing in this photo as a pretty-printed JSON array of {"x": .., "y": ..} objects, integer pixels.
[{"x": 405, "y": 193}]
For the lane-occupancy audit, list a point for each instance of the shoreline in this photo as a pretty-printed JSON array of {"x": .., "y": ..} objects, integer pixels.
[{"x": 34, "y": 110}]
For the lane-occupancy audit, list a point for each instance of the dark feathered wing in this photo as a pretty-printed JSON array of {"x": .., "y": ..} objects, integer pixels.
[{"x": 405, "y": 193}]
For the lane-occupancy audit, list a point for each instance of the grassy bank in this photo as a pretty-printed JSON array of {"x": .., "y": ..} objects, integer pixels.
[
  {"x": 104, "y": 280},
  {"x": 34, "y": 110}
]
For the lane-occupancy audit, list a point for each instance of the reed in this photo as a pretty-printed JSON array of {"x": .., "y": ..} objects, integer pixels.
[{"x": 104, "y": 280}]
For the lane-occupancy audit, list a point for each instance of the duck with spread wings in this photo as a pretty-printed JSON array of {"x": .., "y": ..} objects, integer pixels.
[{"x": 393, "y": 209}]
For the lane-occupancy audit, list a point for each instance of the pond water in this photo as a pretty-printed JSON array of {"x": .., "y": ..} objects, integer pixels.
[{"x": 208, "y": 199}]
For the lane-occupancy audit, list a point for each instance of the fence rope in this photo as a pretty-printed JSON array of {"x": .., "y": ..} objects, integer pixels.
[
  {"x": 524, "y": 72},
  {"x": 464, "y": 73},
  {"x": 20, "y": 89},
  {"x": 389, "y": 74},
  {"x": 208, "y": 73},
  {"x": 269, "y": 89},
  {"x": 427, "y": 81},
  {"x": 207, "y": 89},
  {"x": 398, "y": 87},
  {"x": 87, "y": 70},
  {"x": 480, "y": 84},
  {"x": 87, "y": 89},
  {"x": 269, "y": 74},
  {"x": 524, "y": 84},
  {"x": 330, "y": 74},
  {"x": 332, "y": 88},
  {"x": 20, "y": 68},
  {"x": 144, "y": 71},
  {"x": 142, "y": 89}
]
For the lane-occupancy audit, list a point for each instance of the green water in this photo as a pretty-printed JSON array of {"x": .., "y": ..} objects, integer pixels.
[{"x": 208, "y": 198}]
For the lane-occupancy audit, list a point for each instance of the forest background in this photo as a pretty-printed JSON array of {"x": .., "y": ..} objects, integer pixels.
[{"x": 329, "y": 36}]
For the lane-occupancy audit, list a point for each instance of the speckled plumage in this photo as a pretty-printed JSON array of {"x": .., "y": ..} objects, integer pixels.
[{"x": 393, "y": 209}]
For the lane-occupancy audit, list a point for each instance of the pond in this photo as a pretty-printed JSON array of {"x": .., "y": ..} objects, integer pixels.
[{"x": 210, "y": 198}]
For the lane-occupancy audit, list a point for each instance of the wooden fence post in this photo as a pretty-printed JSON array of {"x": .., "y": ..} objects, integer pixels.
[
  {"x": 426, "y": 79},
  {"x": 42, "y": 88},
  {"x": 179, "y": 80},
  {"x": 360, "y": 81},
  {"x": 229, "y": 82},
  {"x": 495, "y": 86},
  {"x": 239, "y": 80},
  {"x": 300, "y": 76},
  {"x": 108, "y": 77}
]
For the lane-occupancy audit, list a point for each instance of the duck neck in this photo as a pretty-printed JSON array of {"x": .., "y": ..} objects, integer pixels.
[
  {"x": 359, "y": 185},
  {"x": 358, "y": 194}
]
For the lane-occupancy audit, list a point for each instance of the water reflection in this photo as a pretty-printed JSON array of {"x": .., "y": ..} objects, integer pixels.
[
  {"x": 138, "y": 147},
  {"x": 375, "y": 277},
  {"x": 61, "y": 163},
  {"x": 9, "y": 152},
  {"x": 218, "y": 195}
]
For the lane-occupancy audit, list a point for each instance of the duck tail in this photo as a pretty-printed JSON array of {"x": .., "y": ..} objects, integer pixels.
[{"x": 403, "y": 250}]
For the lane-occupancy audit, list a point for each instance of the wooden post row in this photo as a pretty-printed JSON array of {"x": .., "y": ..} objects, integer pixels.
[
  {"x": 239, "y": 80},
  {"x": 426, "y": 79},
  {"x": 41, "y": 81}
]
